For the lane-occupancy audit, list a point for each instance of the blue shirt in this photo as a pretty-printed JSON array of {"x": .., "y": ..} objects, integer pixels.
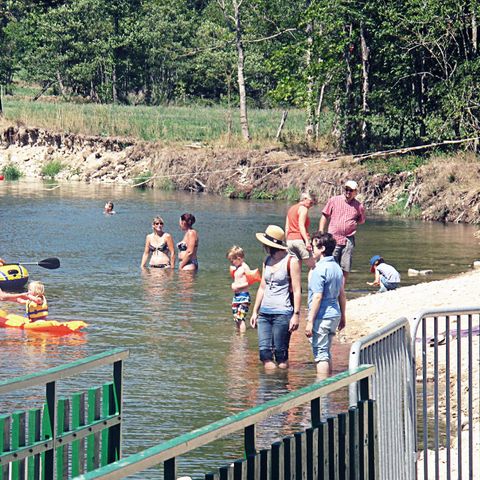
[{"x": 327, "y": 279}]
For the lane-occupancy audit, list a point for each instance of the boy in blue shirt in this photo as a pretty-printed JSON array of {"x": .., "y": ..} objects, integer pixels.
[{"x": 326, "y": 302}]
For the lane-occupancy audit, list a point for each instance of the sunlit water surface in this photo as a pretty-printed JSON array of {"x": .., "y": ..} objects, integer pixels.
[{"x": 187, "y": 365}]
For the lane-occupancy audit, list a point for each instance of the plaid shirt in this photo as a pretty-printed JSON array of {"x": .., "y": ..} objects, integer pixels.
[{"x": 343, "y": 217}]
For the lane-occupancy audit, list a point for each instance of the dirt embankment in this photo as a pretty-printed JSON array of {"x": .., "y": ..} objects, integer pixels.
[{"x": 446, "y": 189}]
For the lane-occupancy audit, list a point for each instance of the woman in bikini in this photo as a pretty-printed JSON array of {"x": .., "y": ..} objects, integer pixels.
[
  {"x": 187, "y": 248},
  {"x": 159, "y": 247}
]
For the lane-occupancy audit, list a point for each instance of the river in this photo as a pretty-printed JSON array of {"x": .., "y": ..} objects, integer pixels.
[{"x": 187, "y": 365}]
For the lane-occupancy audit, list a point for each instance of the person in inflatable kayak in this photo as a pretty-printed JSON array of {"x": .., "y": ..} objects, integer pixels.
[
  {"x": 36, "y": 307},
  {"x": 242, "y": 277}
]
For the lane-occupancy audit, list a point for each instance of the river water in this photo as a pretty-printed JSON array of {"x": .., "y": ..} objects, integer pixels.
[{"x": 187, "y": 365}]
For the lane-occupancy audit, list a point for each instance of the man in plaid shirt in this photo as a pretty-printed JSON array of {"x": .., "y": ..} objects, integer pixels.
[{"x": 342, "y": 214}]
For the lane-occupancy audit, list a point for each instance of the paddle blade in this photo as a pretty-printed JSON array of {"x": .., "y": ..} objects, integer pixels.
[{"x": 50, "y": 263}]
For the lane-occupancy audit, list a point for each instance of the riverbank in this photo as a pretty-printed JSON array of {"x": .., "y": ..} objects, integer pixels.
[
  {"x": 443, "y": 189},
  {"x": 367, "y": 314}
]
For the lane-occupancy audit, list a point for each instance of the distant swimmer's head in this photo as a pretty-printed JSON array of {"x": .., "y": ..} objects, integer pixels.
[
  {"x": 108, "y": 208},
  {"x": 236, "y": 255},
  {"x": 36, "y": 288},
  {"x": 187, "y": 220}
]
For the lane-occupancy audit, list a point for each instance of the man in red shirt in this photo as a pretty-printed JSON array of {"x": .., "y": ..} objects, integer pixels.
[
  {"x": 342, "y": 214},
  {"x": 296, "y": 230}
]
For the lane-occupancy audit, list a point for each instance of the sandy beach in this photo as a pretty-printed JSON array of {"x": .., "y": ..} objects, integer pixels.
[{"x": 367, "y": 314}]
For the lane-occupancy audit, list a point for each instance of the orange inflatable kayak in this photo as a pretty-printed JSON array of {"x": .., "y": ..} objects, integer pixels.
[
  {"x": 253, "y": 276},
  {"x": 11, "y": 320}
]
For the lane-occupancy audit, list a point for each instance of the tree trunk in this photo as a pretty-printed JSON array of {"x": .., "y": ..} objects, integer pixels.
[
  {"x": 61, "y": 86},
  {"x": 310, "y": 125},
  {"x": 282, "y": 124},
  {"x": 116, "y": 30},
  {"x": 365, "y": 83},
  {"x": 474, "y": 34},
  {"x": 319, "y": 110},
  {"x": 1, "y": 100},
  {"x": 346, "y": 133},
  {"x": 241, "y": 76}
]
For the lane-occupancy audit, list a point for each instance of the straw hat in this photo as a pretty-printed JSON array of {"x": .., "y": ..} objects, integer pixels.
[{"x": 273, "y": 237}]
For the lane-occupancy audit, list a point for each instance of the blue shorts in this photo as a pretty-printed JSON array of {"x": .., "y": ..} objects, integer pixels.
[{"x": 322, "y": 338}]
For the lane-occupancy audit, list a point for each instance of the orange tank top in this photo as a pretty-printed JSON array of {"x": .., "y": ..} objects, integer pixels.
[{"x": 293, "y": 227}]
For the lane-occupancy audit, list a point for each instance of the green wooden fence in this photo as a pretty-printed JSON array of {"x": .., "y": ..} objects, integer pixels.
[
  {"x": 64, "y": 437},
  {"x": 343, "y": 447}
]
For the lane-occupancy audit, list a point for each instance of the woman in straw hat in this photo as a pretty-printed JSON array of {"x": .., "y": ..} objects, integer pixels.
[{"x": 277, "y": 305}]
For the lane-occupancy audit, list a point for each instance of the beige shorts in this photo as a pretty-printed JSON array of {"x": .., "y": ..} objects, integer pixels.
[{"x": 298, "y": 249}]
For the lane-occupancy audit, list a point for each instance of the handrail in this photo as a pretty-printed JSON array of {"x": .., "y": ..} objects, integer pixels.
[
  {"x": 201, "y": 436},
  {"x": 63, "y": 371},
  {"x": 439, "y": 312},
  {"x": 374, "y": 337}
]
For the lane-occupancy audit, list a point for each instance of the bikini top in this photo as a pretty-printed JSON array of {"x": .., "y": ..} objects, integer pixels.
[
  {"x": 162, "y": 248},
  {"x": 182, "y": 246}
]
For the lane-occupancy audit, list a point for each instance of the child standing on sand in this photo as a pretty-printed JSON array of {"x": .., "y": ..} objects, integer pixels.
[
  {"x": 241, "y": 296},
  {"x": 386, "y": 276}
]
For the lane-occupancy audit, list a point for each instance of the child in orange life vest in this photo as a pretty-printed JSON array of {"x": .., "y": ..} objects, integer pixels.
[
  {"x": 36, "y": 307},
  {"x": 242, "y": 278}
]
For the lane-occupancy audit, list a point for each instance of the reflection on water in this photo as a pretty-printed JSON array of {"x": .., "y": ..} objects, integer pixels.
[{"x": 188, "y": 365}]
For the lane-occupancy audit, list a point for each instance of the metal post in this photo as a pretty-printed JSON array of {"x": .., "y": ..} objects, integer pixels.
[
  {"x": 115, "y": 407},
  {"x": 51, "y": 396},
  {"x": 249, "y": 441}
]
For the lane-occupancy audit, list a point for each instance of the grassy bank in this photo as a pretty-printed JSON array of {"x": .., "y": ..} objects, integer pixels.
[{"x": 168, "y": 124}]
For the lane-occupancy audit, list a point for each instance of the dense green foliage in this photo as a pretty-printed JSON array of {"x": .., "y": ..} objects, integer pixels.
[
  {"x": 392, "y": 73},
  {"x": 11, "y": 172},
  {"x": 52, "y": 168}
]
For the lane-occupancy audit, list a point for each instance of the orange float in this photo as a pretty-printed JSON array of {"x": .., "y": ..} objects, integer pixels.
[
  {"x": 11, "y": 320},
  {"x": 253, "y": 276}
]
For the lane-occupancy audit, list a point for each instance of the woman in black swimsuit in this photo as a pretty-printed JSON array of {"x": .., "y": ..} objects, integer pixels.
[
  {"x": 159, "y": 247},
  {"x": 187, "y": 248}
]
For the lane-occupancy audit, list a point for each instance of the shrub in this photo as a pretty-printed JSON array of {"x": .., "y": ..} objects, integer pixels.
[
  {"x": 11, "y": 172},
  {"x": 143, "y": 180},
  {"x": 52, "y": 168},
  {"x": 400, "y": 209}
]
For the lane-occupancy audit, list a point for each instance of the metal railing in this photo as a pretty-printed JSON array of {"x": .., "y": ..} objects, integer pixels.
[
  {"x": 35, "y": 443},
  {"x": 389, "y": 349},
  {"x": 442, "y": 345},
  {"x": 296, "y": 457}
]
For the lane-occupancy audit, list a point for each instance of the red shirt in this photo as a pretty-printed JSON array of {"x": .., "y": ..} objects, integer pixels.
[
  {"x": 343, "y": 217},
  {"x": 293, "y": 225}
]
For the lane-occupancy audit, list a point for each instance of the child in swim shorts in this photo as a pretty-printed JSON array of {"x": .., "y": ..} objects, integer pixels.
[{"x": 241, "y": 296}]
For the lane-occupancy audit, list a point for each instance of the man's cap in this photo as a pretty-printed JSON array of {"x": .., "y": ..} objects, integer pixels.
[{"x": 351, "y": 184}]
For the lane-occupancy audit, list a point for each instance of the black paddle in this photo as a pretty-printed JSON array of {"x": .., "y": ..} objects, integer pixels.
[{"x": 50, "y": 263}]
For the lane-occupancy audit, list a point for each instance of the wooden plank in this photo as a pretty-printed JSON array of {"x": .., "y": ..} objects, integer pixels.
[
  {"x": 363, "y": 435},
  {"x": 5, "y": 423},
  {"x": 34, "y": 435},
  {"x": 278, "y": 467},
  {"x": 300, "y": 455},
  {"x": 312, "y": 453},
  {"x": 253, "y": 467},
  {"x": 354, "y": 439},
  {"x": 62, "y": 452},
  {"x": 332, "y": 423},
  {"x": 225, "y": 472},
  {"x": 265, "y": 464},
  {"x": 211, "y": 476},
  {"x": 93, "y": 441},
  {"x": 343, "y": 447},
  {"x": 289, "y": 458},
  {"x": 105, "y": 411},
  {"x": 78, "y": 419},
  {"x": 18, "y": 440},
  {"x": 240, "y": 470},
  {"x": 323, "y": 451},
  {"x": 373, "y": 466}
]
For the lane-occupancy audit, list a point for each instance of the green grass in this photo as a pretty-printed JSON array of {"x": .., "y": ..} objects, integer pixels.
[
  {"x": 52, "y": 168},
  {"x": 398, "y": 209},
  {"x": 142, "y": 180},
  {"x": 162, "y": 123},
  {"x": 11, "y": 172}
]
